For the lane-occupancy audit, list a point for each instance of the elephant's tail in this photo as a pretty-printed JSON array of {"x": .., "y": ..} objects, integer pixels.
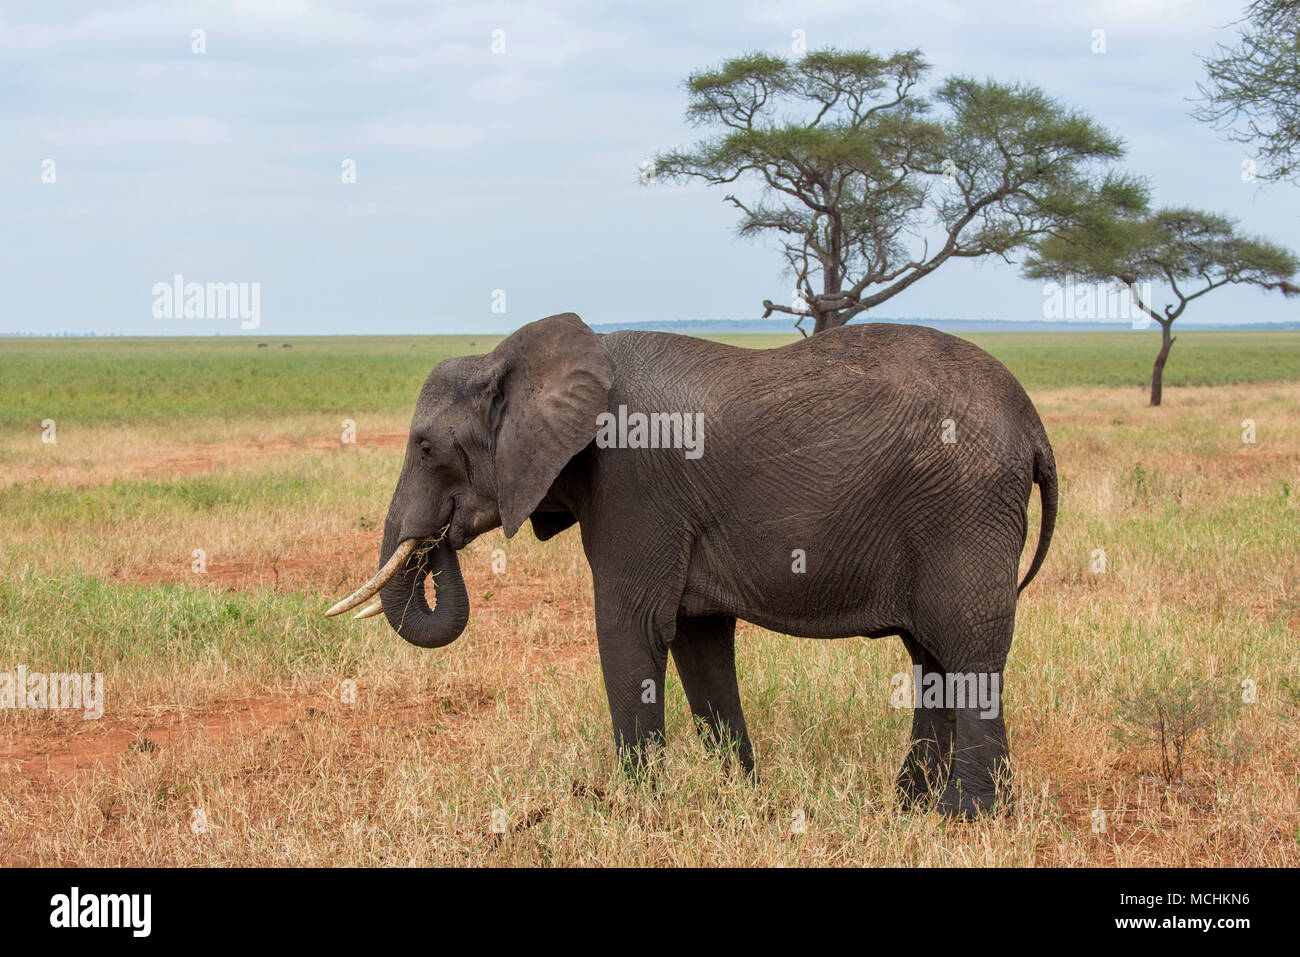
[{"x": 1045, "y": 479}]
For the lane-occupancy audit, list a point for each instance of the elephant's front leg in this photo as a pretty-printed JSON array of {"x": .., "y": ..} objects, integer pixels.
[
  {"x": 633, "y": 659},
  {"x": 704, "y": 650}
]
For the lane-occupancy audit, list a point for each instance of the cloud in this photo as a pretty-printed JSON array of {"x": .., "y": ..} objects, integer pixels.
[
  {"x": 416, "y": 134},
  {"x": 480, "y": 170},
  {"x": 119, "y": 132}
]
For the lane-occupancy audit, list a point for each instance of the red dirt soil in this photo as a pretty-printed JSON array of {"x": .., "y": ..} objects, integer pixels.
[
  {"x": 60, "y": 751},
  {"x": 61, "y": 756},
  {"x": 200, "y": 458}
]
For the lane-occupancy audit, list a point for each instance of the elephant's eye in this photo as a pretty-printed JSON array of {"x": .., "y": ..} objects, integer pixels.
[{"x": 425, "y": 449}]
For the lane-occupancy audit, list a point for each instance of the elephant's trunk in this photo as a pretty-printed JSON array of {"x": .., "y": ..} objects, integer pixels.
[{"x": 405, "y": 606}]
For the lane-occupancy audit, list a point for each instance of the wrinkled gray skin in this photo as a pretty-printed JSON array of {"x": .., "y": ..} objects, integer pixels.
[{"x": 833, "y": 445}]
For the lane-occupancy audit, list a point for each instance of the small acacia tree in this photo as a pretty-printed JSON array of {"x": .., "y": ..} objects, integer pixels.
[
  {"x": 1187, "y": 251},
  {"x": 1252, "y": 89},
  {"x": 857, "y": 170}
]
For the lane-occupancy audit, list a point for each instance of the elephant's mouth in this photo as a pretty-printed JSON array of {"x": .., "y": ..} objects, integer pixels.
[
  {"x": 420, "y": 547},
  {"x": 417, "y": 548},
  {"x": 395, "y": 563}
]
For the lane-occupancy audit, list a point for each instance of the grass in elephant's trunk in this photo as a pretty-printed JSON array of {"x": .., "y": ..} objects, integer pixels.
[
  {"x": 420, "y": 557},
  {"x": 403, "y": 598},
  {"x": 408, "y": 560},
  {"x": 421, "y": 562}
]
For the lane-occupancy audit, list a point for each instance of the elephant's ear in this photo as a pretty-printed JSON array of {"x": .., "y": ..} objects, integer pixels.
[{"x": 551, "y": 381}]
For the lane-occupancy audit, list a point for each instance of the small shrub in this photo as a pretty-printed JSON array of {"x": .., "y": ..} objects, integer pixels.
[
  {"x": 1172, "y": 713},
  {"x": 1142, "y": 486}
]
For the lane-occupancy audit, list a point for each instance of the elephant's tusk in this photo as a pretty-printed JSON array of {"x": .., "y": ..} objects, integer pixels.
[
  {"x": 369, "y": 611},
  {"x": 368, "y": 590}
]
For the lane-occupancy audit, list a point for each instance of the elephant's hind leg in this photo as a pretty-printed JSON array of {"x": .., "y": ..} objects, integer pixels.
[
  {"x": 979, "y": 778},
  {"x": 981, "y": 768},
  {"x": 704, "y": 650},
  {"x": 925, "y": 769},
  {"x": 968, "y": 626}
]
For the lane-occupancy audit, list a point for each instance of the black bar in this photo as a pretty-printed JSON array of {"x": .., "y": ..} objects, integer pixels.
[{"x": 330, "y": 907}]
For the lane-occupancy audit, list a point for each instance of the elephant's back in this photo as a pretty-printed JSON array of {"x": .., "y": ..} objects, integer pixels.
[
  {"x": 906, "y": 356},
  {"x": 868, "y": 385},
  {"x": 885, "y": 351}
]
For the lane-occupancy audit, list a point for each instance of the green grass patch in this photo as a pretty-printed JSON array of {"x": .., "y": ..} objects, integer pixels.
[
  {"x": 166, "y": 381},
  {"x": 74, "y": 622}
]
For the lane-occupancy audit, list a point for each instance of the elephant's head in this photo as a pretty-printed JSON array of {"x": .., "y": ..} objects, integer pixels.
[{"x": 489, "y": 436}]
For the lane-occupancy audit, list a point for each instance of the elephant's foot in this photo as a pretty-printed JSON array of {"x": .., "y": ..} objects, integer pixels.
[
  {"x": 743, "y": 761},
  {"x": 980, "y": 781},
  {"x": 921, "y": 778},
  {"x": 912, "y": 799},
  {"x": 733, "y": 763},
  {"x": 967, "y": 804},
  {"x": 915, "y": 791},
  {"x": 642, "y": 762},
  {"x": 729, "y": 750}
]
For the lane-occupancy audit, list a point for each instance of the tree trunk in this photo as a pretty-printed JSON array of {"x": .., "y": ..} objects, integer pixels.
[
  {"x": 831, "y": 319},
  {"x": 1158, "y": 370}
]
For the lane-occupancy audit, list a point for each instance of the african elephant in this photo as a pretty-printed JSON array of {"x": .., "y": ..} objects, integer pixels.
[{"x": 870, "y": 480}]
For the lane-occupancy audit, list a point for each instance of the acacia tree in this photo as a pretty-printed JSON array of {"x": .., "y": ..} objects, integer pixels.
[
  {"x": 857, "y": 169},
  {"x": 1252, "y": 89},
  {"x": 1189, "y": 252}
]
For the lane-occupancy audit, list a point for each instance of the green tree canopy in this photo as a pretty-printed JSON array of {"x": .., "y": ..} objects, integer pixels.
[
  {"x": 1252, "y": 89},
  {"x": 1186, "y": 251},
  {"x": 871, "y": 184}
]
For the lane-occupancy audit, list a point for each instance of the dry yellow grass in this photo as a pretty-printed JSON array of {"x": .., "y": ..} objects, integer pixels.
[{"x": 496, "y": 750}]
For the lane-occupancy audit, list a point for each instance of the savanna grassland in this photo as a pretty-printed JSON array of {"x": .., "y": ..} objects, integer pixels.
[{"x": 199, "y": 510}]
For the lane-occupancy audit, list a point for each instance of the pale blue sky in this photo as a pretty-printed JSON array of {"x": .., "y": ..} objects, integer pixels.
[{"x": 518, "y": 171}]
